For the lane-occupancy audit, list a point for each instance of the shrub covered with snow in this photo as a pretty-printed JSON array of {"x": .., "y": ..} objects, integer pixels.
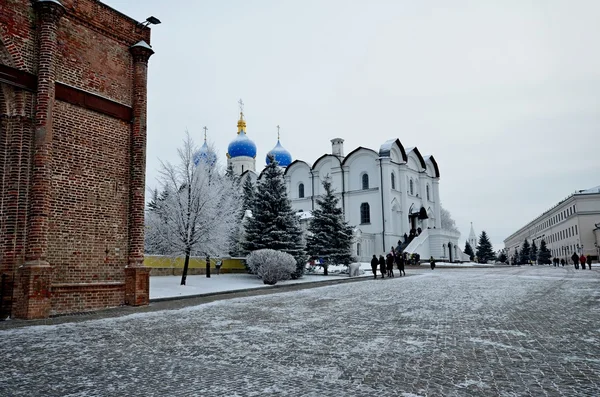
[{"x": 271, "y": 266}]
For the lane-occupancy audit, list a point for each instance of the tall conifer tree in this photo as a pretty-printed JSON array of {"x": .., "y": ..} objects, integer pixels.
[
  {"x": 274, "y": 223},
  {"x": 330, "y": 236},
  {"x": 469, "y": 250},
  {"x": 544, "y": 254},
  {"x": 485, "y": 252},
  {"x": 525, "y": 252},
  {"x": 533, "y": 252}
]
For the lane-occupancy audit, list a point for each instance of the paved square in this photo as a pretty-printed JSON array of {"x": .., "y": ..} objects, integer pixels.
[{"x": 529, "y": 331}]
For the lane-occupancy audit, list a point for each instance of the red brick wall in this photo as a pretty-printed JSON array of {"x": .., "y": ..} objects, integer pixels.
[
  {"x": 89, "y": 196},
  {"x": 92, "y": 62},
  {"x": 91, "y": 153}
]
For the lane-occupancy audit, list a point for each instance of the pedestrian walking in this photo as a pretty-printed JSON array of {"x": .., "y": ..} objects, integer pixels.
[
  {"x": 575, "y": 260},
  {"x": 589, "y": 262},
  {"x": 389, "y": 261},
  {"x": 374, "y": 263},
  {"x": 582, "y": 261},
  {"x": 432, "y": 263},
  {"x": 382, "y": 266},
  {"x": 218, "y": 267}
]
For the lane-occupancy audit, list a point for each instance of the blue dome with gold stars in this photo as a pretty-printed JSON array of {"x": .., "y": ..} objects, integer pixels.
[
  {"x": 283, "y": 157},
  {"x": 241, "y": 145}
]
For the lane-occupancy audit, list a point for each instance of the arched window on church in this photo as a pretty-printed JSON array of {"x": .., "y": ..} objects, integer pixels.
[
  {"x": 365, "y": 181},
  {"x": 428, "y": 198},
  {"x": 393, "y": 181},
  {"x": 357, "y": 249},
  {"x": 365, "y": 213},
  {"x": 301, "y": 190},
  {"x": 412, "y": 187}
]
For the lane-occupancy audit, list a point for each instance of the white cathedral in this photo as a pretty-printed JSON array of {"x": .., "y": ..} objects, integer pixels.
[{"x": 385, "y": 194}]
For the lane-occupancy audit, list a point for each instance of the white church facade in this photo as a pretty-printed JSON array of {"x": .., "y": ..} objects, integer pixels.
[{"x": 385, "y": 193}]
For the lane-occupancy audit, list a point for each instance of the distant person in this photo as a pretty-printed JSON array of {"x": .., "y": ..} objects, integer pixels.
[
  {"x": 218, "y": 265},
  {"x": 374, "y": 263},
  {"x": 432, "y": 263},
  {"x": 575, "y": 260},
  {"x": 382, "y": 266},
  {"x": 562, "y": 262},
  {"x": 589, "y": 262},
  {"x": 582, "y": 261},
  {"x": 389, "y": 262}
]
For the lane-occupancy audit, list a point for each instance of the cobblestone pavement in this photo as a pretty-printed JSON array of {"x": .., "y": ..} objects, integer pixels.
[{"x": 529, "y": 331}]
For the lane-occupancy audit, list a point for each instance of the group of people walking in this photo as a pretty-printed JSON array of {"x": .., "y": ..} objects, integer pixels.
[
  {"x": 577, "y": 260},
  {"x": 386, "y": 265}
]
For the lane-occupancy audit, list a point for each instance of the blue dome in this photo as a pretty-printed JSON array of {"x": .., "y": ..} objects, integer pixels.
[
  {"x": 283, "y": 157},
  {"x": 204, "y": 154},
  {"x": 242, "y": 146}
]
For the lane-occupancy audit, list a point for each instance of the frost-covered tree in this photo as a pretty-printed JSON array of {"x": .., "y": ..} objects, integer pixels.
[
  {"x": 196, "y": 211},
  {"x": 485, "y": 252},
  {"x": 330, "y": 236},
  {"x": 469, "y": 250},
  {"x": 502, "y": 256},
  {"x": 446, "y": 219},
  {"x": 533, "y": 252},
  {"x": 271, "y": 266},
  {"x": 544, "y": 254},
  {"x": 525, "y": 252},
  {"x": 274, "y": 223}
]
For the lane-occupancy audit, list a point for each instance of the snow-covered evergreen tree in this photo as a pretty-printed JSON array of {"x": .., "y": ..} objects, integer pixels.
[
  {"x": 533, "y": 252},
  {"x": 196, "y": 211},
  {"x": 502, "y": 256},
  {"x": 485, "y": 252},
  {"x": 469, "y": 250},
  {"x": 273, "y": 223},
  {"x": 515, "y": 257},
  {"x": 330, "y": 236},
  {"x": 544, "y": 254},
  {"x": 525, "y": 252},
  {"x": 446, "y": 220}
]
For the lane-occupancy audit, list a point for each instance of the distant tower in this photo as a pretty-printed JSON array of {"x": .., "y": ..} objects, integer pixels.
[
  {"x": 279, "y": 153},
  {"x": 337, "y": 147},
  {"x": 472, "y": 238},
  {"x": 241, "y": 152}
]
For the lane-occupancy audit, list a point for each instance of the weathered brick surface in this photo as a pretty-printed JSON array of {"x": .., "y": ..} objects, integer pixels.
[{"x": 67, "y": 186}]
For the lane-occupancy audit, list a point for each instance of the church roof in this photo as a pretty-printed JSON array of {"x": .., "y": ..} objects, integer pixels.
[{"x": 283, "y": 157}]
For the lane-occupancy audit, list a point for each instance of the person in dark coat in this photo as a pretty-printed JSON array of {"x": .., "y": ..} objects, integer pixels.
[
  {"x": 432, "y": 263},
  {"x": 374, "y": 263},
  {"x": 389, "y": 261},
  {"x": 562, "y": 262},
  {"x": 589, "y": 262},
  {"x": 575, "y": 260},
  {"x": 401, "y": 262},
  {"x": 382, "y": 266}
]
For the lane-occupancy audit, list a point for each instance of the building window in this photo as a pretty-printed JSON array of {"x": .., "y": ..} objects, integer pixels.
[
  {"x": 428, "y": 198},
  {"x": 357, "y": 249},
  {"x": 575, "y": 229},
  {"x": 411, "y": 187},
  {"x": 365, "y": 181},
  {"x": 301, "y": 190},
  {"x": 365, "y": 213},
  {"x": 393, "y": 177}
]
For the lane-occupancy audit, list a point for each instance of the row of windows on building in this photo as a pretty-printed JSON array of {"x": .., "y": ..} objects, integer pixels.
[
  {"x": 365, "y": 186},
  {"x": 563, "y": 234},
  {"x": 565, "y": 251},
  {"x": 556, "y": 218}
]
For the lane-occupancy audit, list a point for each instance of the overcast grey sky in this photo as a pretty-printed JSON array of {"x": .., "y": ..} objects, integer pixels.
[{"x": 504, "y": 94}]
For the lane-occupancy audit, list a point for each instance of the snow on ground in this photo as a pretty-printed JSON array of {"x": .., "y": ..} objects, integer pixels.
[{"x": 169, "y": 286}]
